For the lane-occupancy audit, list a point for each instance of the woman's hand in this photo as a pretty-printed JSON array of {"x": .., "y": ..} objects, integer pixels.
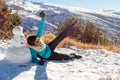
[
  {"x": 42, "y": 14},
  {"x": 41, "y": 62}
]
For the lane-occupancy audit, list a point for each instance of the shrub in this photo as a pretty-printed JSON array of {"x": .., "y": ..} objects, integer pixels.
[
  {"x": 93, "y": 35},
  {"x": 86, "y": 34},
  {"x": 7, "y": 21}
]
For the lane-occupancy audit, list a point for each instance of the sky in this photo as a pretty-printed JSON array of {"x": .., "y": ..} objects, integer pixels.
[{"x": 90, "y": 4}]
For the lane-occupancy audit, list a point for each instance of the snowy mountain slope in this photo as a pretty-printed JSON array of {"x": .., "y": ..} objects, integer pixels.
[
  {"x": 95, "y": 65},
  {"x": 113, "y": 11},
  {"x": 15, "y": 58},
  {"x": 108, "y": 21}
]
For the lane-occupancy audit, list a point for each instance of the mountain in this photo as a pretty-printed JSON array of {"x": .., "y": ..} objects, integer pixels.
[
  {"x": 15, "y": 57},
  {"x": 107, "y": 20}
]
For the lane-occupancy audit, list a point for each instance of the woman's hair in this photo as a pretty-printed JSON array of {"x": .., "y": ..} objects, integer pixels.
[{"x": 31, "y": 40}]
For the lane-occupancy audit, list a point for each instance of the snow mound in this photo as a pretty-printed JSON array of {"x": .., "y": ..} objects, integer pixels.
[
  {"x": 17, "y": 52},
  {"x": 18, "y": 55}
]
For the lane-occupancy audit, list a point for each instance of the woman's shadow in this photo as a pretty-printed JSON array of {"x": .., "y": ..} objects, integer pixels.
[{"x": 11, "y": 71}]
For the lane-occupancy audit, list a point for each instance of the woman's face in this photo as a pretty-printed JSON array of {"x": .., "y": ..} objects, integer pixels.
[{"x": 37, "y": 42}]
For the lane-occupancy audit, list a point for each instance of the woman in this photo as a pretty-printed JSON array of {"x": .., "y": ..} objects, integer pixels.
[{"x": 46, "y": 51}]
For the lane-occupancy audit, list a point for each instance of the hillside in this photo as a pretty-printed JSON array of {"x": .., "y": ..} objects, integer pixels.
[
  {"x": 15, "y": 63},
  {"x": 107, "y": 20},
  {"x": 15, "y": 56},
  {"x": 95, "y": 65}
]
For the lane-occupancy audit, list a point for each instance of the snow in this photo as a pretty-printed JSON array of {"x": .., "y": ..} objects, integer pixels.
[
  {"x": 94, "y": 65},
  {"x": 15, "y": 63},
  {"x": 15, "y": 58}
]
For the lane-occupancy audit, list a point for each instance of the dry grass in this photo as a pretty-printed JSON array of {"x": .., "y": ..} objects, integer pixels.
[
  {"x": 48, "y": 38},
  {"x": 71, "y": 42}
]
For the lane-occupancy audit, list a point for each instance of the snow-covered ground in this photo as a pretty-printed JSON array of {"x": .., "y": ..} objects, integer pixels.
[
  {"x": 15, "y": 58},
  {"x": 94, "y": 65},
  {"x": 15, "y": 64}
]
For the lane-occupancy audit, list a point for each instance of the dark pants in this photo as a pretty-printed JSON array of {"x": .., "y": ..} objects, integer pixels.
[{"x": 55, "y": 42}]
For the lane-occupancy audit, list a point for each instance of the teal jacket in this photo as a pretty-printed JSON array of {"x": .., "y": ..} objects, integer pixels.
[{"x": 46, "y": 52}]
